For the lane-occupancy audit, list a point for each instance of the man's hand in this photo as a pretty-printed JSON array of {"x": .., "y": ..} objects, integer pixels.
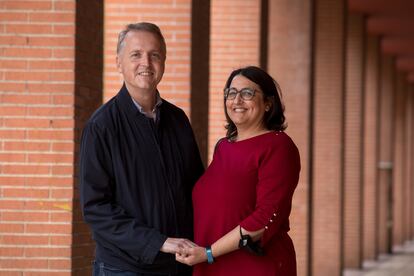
[
  {"x": 174, "y": 245},
  {"x": 191, "y": 256}
]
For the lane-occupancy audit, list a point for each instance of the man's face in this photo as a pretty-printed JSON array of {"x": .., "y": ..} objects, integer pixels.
[{"x": 141, "y": 61}]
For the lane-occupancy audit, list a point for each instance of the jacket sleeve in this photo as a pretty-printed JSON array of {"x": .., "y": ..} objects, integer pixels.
[
  {"x": 112, "y": 226},
  {"x": 278, "y": 176}
]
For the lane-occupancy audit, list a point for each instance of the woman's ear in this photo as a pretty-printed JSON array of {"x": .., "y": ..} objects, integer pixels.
[{"x": 268, "y": 105}]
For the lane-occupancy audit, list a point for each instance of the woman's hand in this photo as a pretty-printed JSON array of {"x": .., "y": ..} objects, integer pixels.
[
  {"x": 191, "y": 256},
  {"x": 174, "y": 245}
]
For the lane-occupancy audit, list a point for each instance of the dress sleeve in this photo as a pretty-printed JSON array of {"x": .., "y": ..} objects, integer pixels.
[
  {"x": 112, "y": 226},
  {"x": 278, "y": 175}
]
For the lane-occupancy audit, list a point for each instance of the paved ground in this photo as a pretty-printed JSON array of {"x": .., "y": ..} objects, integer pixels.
[{"x": 401, "y": 263}]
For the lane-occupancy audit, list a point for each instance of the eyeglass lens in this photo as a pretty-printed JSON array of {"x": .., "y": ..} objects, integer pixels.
[{"x": 245, "y": 93}]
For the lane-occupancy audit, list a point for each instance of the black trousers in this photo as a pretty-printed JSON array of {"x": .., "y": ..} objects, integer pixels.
[{"x": 102, "y": 269}]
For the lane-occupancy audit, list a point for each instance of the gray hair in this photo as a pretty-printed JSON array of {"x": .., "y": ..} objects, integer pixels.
[{"x": 142, "y": 26}]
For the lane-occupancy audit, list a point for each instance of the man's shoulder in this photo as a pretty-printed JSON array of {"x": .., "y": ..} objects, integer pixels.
[
  {"x": 171, "y": 108},
  {"x": 105, "y": 114},
  {"x": 103, "y": 111}
]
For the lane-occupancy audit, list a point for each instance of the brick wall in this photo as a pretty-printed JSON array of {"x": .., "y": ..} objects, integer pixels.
[
  {"x": 399, "y": 187},
  {"x": 353, "y": 138},
  {"x": 327, "y": 137},
  {"x": 385, "y": 151},
  {"x": 88, "y": 97},
  {"x": 408, "y": 162},
  {"x": 235, "y": 40},
  {"x": 410, "y": 156},
  {"x": 57, "y": 65},
  {"x": 36, "y": 136},
  {"x": 407, "y": 182},
  {"x": 289, "y": 62},
  {"x": 370, "y": 154}
]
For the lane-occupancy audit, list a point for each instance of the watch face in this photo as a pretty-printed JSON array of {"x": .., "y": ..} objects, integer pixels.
[
  {"x": 247, "y": 243},
  {"x": 244, "y": 241}
]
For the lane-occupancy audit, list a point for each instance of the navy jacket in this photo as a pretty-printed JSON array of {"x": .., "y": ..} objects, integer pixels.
[{"x": 136, "y": 179}]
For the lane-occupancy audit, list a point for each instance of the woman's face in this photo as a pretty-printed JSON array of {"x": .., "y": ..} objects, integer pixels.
[{"x": 246, "y": 114}]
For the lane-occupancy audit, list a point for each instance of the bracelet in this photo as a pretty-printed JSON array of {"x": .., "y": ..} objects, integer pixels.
[{"x": 209, "y": 253}]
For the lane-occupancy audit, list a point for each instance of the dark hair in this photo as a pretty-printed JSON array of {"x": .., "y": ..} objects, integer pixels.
[
  {"x": 274, "y": 119},
  {"x": 141, "y": 26}
]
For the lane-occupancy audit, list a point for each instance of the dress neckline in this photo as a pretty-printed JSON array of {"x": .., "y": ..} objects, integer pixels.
[{"x": 255, "y": 137}]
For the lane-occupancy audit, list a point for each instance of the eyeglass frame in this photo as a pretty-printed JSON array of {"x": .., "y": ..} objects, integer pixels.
[{"x": 226, "y": 92}]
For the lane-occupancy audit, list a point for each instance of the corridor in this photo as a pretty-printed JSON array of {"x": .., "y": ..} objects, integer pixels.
[{"x": 401, "y": 263}]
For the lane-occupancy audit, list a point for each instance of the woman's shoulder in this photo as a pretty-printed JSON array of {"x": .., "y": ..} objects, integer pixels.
[
  {"x": 282, "y": 137},
  {"x": 279, "y": 141}
]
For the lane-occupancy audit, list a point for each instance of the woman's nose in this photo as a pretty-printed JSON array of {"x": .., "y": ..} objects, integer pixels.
[{"x": 238, "y": 98}]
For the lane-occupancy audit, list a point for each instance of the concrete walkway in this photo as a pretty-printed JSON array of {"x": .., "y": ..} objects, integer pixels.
[{"x": 401, "y": 263}]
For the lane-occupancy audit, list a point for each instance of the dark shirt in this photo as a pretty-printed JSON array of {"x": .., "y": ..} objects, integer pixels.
[{"x": 136, "y": 179}]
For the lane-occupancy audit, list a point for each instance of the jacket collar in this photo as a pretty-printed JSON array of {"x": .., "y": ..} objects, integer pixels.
[{"x": 127, "y": 103}]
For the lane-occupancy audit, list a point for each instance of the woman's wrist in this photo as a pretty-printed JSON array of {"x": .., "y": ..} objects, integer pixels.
[{"x": 209, "y": 254}]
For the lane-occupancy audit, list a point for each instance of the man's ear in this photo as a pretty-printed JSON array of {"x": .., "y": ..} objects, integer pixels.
[{"x": 118, "y": 64}]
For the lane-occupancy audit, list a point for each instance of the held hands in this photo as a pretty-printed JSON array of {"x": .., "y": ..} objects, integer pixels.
[
  {"x": 185, "y": 251},
  {"x": 174, "y": 245},
  {"x": 191, "y": 255}
]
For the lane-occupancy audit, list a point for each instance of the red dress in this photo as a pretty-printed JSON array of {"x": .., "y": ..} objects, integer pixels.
[{"x": 251, "y": 183}]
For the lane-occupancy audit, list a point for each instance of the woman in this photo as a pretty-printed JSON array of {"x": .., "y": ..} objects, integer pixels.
[{"x": 243, "y": 201}]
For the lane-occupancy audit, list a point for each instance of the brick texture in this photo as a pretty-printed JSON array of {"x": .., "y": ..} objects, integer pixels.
[
  {"x": 410, "y": 157},
  {"x": 370, "y": 154},
  {"x": 398, "y": 175},
  {"x": 407, "y": 183},
  {"x": 234, "y": 43},
  {"x": 408, "y": 162},
  {"x": 36, "y": 109},
  {"x": 289, "y": 58},
  {"x": 328, "y": 137},
  {"x": 348, "y": 111},
  {"x": 200, "y": 73},
  {"x": 88, "y": 96},
  {"x": 353, "y": 142},
  {"x": 386, "y": 138}
]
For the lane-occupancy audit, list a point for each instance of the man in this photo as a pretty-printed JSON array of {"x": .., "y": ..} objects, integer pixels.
[{"x": 138, "y": 164}]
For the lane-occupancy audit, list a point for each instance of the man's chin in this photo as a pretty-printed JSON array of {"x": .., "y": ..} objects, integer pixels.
[{"x": 141, "y": 87}]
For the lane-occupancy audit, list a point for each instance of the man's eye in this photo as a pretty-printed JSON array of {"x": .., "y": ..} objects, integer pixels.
[{"x": 156, "y": 55}]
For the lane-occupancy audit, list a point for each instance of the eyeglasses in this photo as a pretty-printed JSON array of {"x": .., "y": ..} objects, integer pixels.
[{"x": 246, "y": 94}]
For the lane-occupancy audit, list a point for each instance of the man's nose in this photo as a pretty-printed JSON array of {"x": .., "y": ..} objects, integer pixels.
[{"x": 145, "y": 59}]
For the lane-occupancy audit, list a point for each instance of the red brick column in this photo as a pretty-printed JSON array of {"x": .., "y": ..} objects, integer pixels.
[
  {"x": 410, "y": 157},
  {"x": 234, "y": 42},
  {"x": 353, "y": 142},
  {"x": 408, "y": 162},
  {"x": 200, "y": 73},
  {"x": 370, "y": 153},
  {"x": 289, "y": 59},
  {"x": 398, "y": 175},
  {"x": 407, "y": 183},
  {"x": 386, "y": 136},
  {"x": 88, "y": 97},
  {"x": 327, "y": 158},
  {"x": 37, "y": 145}
]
